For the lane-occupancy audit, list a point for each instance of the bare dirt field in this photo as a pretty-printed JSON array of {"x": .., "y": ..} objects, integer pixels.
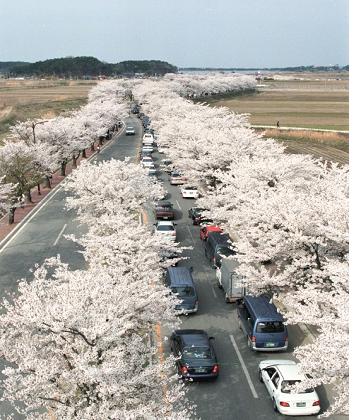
[
  {"x": 23, "y": 99},
  {"x": 314, "y": 100}
]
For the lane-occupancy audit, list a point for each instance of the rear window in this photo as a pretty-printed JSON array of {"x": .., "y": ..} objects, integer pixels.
[
  {"x": 286, "y": 387},
  {"x": 270, "y": 327},
  {"x": 165, "y": 228},
  {"x": 183, "y": 291},
  {"x": 197, "y": 352}
]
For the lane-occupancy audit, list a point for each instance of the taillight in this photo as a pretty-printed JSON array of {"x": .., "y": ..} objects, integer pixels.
[
  {"x": 184, "y": 370},
  {"x": 316, "y": 402},
  {"x": 253, "y": 339},
  {"x": 284, "y": 404},
  {"x": 215, "y": 369}
]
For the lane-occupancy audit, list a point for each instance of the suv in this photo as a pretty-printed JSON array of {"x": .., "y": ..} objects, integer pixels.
[{"x": 164, "y": 210}]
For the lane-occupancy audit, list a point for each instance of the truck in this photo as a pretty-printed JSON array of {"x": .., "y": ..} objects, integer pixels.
[{"x": 230, "y": 280}]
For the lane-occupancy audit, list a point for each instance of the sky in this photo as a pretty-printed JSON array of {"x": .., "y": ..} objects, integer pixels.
[{"x": 186, "y": 33}]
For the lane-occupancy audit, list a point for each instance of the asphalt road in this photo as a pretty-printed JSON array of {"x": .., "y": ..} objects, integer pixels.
[{"x": 233, "y": 395}]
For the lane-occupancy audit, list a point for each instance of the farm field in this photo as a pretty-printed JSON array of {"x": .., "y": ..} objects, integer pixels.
[
  {"x": 300, "y": 101},
  {"x": 23, "y": 99}
]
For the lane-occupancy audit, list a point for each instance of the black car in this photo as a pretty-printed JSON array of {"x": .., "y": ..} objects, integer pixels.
[
  {"x": 195, "y": 212},
  {"x": 196, "y": 358}
]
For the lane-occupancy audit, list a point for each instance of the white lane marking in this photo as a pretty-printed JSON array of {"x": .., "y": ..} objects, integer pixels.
[
  {"x": 214, "y": 292},
  {"x": 177, "y": 202},
  {"x": 59, "y": 236},
  {"x": 246, "y": 372},
  {"x": 190, "y": 234}
]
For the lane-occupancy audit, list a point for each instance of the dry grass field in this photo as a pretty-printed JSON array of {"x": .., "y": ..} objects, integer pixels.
[
  {"x": 314, "y": 100},
  {"x": 23, "y": 99}
]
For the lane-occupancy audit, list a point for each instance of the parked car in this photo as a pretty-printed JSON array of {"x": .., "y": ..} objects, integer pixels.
[
  {"x": 195, "y": 211},
  {"x": 167, "y": 229},
  {"x": 149, "y": 149},
  {"x": 262, "y": 324},
  {"x": 147, "y": 164},
  {"x": 196, "y": 358},
  {"x": 166, "y": 165},
  {"x": 176, "y": 178},
  {"x": 130, "y": 131},
  {"x": 148, "y": 136},
  {"x": 206, "y": 229},
  {"x": 181, "y": 283},
  {"x": 278, "y": 376},
  {"x": 217, "y": 245},
  {"x": 152, "y": 171},
  {"x": 189, "y": 192},
  {"x": 164, "y": 210},
  {"x": 230, "y": 281}
]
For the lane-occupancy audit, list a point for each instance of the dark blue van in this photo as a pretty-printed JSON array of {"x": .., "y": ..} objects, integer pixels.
[
  {"x": 262, "y": 324},
  {"x": 181, "y": 283}
]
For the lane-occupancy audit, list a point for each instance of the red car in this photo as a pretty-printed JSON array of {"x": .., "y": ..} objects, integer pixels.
[{"x": 204, "y": 231}]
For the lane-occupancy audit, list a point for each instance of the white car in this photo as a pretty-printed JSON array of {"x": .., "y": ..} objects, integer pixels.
[
  {"x": 147, "y": 149},
  {"x": 277, "y": 375},
  {"x": 189, "y": 192},
  {"x": 130, "y": 131},
  {"x": 148, "y": 137},
  {"x": 176, "y": 178},
  {"x": 147, "y": 162},
  {"x": 167, "y": 229}
]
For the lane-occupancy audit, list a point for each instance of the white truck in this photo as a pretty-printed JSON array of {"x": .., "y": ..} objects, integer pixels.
[{"x": 230, "y": 280}]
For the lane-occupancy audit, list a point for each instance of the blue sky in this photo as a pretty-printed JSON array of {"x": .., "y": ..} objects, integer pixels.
[{"x": 215, "y": 33}]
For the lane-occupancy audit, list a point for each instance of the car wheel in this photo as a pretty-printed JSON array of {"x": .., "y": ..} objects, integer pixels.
[
  {"x": 260, "y": 376},
  {"x": 275, "y": 409}
]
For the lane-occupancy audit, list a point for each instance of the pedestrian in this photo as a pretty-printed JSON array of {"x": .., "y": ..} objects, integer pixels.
[
  {"x": 22, "y": 201},
  {"x": 277, "y": 124},
  {"x": 98, "y": 148}
]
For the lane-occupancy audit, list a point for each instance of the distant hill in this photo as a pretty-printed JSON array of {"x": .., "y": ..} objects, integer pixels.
[
  {"x": 294, "y": 69},
  {"x": 6, "y": 65},
  {"x": 85, "y": 67}
]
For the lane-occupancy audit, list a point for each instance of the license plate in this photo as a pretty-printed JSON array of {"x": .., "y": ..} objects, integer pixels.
[
  {"x": 269, "y": 344},
  {"x": 301, "y": 404},
  {"x": 200, "y": 370}
]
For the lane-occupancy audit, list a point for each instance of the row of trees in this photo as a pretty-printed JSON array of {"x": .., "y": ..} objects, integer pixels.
[{"x": 288, "y": 215}]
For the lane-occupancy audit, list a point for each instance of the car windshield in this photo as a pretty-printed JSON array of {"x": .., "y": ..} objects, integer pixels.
[
  {"x": 183, "y": 291},
  {"x": 196, "y": 352},
  {"x": 270, "y": 327},
  {"x": 165, "y": 228},
  {"x": 286, "y": 385}
]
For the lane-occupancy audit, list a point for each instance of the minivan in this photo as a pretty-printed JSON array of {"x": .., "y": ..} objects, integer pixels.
[
  {"x": 181, "y": 283},
  {"x": 217, "y": 245},
  {"x": 262, "y": 324}
]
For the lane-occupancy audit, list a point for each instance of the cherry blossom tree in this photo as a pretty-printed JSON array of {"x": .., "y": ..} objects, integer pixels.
[{"x": 6, "y": 191}]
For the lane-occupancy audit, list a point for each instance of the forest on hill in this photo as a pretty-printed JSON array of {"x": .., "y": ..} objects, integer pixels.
[{"x": 82, "y": 67}]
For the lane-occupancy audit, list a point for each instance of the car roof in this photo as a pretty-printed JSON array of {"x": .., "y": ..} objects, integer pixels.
[
  {"x": 180, "y": 276},
  {"x": 219, "y": 237},
  {"x": 213, "y": 228},
  {"x": 290, "y": 372},
  {"x": 165, "y": 222},
  {"x": 193, "y": 337},
  {"x": 164, "y": 204},
  {"x": 263, "y": 309}
]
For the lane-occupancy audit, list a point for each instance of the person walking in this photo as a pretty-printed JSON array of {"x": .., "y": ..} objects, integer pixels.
[
  {"x": 98, "y": 148},
  {"x": 277, "y": 124}
]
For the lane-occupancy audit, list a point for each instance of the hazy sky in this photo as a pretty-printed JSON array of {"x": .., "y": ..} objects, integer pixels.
[{"x": 218, "y": 33}]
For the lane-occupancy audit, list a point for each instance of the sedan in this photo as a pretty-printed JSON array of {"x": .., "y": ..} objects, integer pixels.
[
  {"x": 166, "y": 229},
  {"x": 147, "y": 164},
  {"x": 130, "y": 131},
  {"x": 196, "y": 358},
  {"x": 177, "y": 179},
  {"x": 278, "y": 376},
  {"x": 148, "y": 149},
  {"x": 189, "y": 192}
]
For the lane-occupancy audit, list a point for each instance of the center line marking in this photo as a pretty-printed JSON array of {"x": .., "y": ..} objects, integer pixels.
[
  {"x": 177, "y": 202},
  {"x": 245, "y": 369},
  {"x": 190, "y": 234},
  {"x": 58, "y": 237}
]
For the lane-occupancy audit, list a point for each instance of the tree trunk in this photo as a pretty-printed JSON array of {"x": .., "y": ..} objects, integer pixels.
[
  {"x": 12, "y": 215},
  {"x": 74, "y": 161},
  {"x": 92, "y": 147},
  {"x": 84, "y": 154},
  {"x": 47, "y": 182},
  {"x": 63, "y": 168},
  {"x": 29, "y": 196},
  {"x": 38, "y": 188}
]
